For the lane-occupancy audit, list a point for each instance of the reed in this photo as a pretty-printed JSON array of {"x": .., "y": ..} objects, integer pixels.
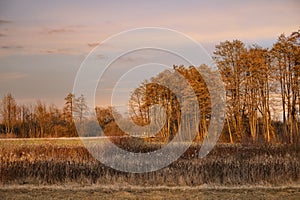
[{"x": 225, "y": 165}]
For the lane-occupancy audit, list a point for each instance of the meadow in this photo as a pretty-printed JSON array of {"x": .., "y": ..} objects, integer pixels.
[{"x": 66, "y": 161}]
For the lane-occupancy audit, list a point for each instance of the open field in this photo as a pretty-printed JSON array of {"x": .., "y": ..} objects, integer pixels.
[
  {"x": 67, "y": 161},
  {"x": 63, "y": 169}
]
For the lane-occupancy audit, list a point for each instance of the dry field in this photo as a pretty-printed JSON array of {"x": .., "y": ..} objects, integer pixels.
[{"x": 65, "y": 169}]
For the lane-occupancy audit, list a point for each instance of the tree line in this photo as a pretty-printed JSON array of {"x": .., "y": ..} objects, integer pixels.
[{"x": 254, "y": 78}]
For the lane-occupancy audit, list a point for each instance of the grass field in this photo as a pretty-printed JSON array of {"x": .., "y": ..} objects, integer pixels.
[{"x": 64, "y": 168}]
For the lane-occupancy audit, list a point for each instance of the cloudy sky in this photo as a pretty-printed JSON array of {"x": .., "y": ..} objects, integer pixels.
[{"x": 43, "y": 43}]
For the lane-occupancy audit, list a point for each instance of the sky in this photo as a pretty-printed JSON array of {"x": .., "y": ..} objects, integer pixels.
[{"x": 43, "y": 43}]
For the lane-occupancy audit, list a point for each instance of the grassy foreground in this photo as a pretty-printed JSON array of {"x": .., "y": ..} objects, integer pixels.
[
  {"x": 61, "y": 162},
  {"x": 91, "y": 193}
]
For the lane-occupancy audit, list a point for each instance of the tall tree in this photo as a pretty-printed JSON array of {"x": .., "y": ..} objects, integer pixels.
[
  {"x": 80, "y": 110},
  {"x": 42, "y": 117},
  {"x": 256, "y": 63},
  {"x": 9, "y": 112},
  {"x": 228, "y": 57},
  {"x": 286, "y": 61},
  {"x": 68, "y": 108},
  {"x": 68, "y": 114}
]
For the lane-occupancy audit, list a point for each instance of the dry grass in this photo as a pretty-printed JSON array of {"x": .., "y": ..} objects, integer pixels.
[{"x": 54, "y": 162}]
